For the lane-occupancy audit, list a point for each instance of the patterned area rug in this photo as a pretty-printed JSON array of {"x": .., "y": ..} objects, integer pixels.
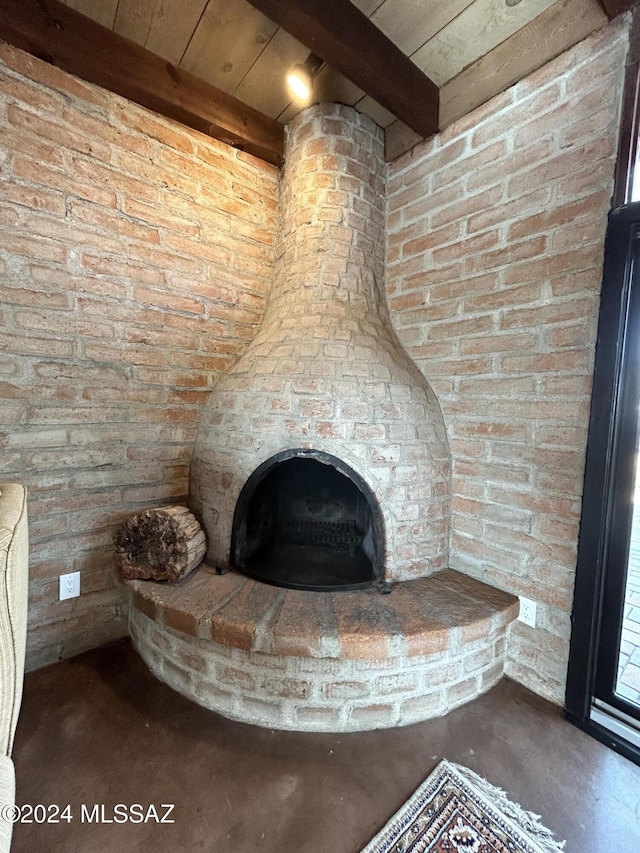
[{"x": 457, "y": 811}]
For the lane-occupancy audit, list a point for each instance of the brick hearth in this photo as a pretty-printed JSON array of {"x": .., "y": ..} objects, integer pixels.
[{"x": 312, "y": 661}]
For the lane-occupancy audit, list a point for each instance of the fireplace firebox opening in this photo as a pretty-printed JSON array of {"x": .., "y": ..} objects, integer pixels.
[{"x": 305, "y": 520}]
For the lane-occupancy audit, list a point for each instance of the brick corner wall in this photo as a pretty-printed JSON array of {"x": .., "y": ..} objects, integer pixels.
[
  {"x": 135, "y": 255},
  {"x": 494, "y": 261}
]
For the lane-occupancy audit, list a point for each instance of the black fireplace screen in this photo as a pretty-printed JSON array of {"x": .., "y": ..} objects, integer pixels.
[{"x": 306, "y": 520}]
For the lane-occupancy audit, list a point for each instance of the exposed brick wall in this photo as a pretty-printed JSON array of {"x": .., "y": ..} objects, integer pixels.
[
  {"x": 134, "y": 259},
  {"x": 495, "y": 245}
]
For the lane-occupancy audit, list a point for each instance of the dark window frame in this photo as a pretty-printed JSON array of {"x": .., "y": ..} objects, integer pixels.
[{"x": 599, "y": 485}]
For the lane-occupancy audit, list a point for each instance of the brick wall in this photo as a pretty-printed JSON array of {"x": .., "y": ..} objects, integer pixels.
[
  {"x": 134, "y": 259},
  {"x": 495, "y": 245}
]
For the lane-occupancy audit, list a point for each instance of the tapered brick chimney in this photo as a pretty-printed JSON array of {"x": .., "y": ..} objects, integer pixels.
[{"x": 325, "y": 372}]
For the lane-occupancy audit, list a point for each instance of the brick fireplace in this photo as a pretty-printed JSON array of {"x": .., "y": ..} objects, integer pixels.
[
  {"x": 326, "y": 374},
  {"x": 321, "y": 464}
]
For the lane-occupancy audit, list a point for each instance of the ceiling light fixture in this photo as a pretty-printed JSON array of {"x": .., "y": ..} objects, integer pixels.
[{"x": 300, "y": 77}]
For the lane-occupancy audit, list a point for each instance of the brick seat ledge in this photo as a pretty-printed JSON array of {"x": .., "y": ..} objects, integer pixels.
[{"x": 419, "y": 617}]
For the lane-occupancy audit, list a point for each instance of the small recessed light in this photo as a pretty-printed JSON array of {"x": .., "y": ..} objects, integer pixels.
[
  {"x": 300, "y": 77},
  {"x": 299, "y": 82},
  {"x": 512, "y": 2}
]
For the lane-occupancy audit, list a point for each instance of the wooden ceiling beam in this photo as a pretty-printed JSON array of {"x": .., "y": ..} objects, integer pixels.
[
  {"x": 346, "y": 39},
  {"x": 546, "y": 36},
  {"x": 557, "y": 29},
  {"x": 58, "y": 34}
]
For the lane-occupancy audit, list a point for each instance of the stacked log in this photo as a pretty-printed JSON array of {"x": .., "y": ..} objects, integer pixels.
[{"x": 162, "y": 543}]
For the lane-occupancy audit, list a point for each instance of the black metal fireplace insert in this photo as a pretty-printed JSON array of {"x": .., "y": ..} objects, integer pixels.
[{"x": 306, "y": 520}]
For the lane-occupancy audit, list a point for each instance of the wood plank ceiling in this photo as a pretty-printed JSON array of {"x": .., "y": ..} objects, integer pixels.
[{"x": 471, "y": 49}]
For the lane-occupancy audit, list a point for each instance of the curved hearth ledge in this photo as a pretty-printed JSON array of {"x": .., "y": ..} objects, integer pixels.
[{"x": 324, "y": 662}]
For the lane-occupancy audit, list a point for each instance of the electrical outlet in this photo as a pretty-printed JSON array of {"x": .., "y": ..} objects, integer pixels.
[
  {"x": 527, "y": 611},
  {"x": 69, "y": 586}
]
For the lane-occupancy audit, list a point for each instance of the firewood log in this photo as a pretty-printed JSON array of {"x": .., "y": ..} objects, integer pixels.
[{"x": 164, "y": 543}]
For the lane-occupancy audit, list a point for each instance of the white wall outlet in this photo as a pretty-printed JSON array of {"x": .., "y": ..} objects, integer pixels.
[
  {"x": 527, "y": 611},
  {"x": 69, "y": 586}
]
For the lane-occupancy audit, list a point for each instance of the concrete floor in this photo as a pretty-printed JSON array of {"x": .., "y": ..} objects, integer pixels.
[{"x": 99, "y": 729}]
